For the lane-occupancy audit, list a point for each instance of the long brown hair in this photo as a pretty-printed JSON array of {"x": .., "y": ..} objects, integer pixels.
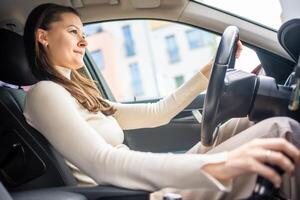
[{"x": 81, "y": 88}]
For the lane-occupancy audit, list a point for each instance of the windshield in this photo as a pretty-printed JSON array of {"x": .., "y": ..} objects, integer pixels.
[{"x": 269, "y": 13}]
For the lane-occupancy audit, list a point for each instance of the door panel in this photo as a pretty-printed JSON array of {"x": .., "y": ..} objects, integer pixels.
[{"x": 179, "y": 135}]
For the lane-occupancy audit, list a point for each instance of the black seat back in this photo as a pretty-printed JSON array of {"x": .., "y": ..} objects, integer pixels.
[
  {"x": 289, "y": 37},
  {"x": 27, "y": 160}
]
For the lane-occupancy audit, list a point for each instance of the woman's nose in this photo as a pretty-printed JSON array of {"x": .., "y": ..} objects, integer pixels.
[{"x": 83, "y": 43}]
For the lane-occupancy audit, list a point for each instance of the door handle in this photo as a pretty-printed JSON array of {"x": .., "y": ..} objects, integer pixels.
[{"x": 197, "y": 115}]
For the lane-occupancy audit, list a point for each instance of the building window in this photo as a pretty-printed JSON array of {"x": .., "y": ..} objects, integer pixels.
[
  {"x": 195, "y": 38},
  {"x": 179, "y": 80},
  {"x": 92, "y": 29},
  {"x": 136, "y": 81},
  {"x": 98, "y": 58},
  {"x": 129, "y": 44},
  {"x": 172, "y": 49}
]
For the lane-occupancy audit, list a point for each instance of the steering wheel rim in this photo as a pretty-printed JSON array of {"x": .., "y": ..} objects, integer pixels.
[{"x": 225, "y": 59}]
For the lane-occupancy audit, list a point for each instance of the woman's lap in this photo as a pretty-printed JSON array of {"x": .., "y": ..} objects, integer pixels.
[
  {"x": 235, "y": 133},
  {"x": 226, "y": 131}
]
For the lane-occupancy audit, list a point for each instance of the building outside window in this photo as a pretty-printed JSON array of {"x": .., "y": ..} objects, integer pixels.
[
  {"x": 179, "y": 80},
  {"x": 172, "y": 49},
  {"x": 129, "y": 43},
  {"x": 136, "y": 81},
  {"x": 195, "y": 38},
  {"x": 98, "y": 58},
  {"x": 92, "y": 29}
]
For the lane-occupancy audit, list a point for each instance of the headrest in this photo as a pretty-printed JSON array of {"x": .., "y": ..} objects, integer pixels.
[
  {"x": 14, "y": 68},
  {"x": 289, "y": 37}
]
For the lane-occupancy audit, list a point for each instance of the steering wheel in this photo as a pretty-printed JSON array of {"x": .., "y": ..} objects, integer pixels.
[{"x": 225, "y": 59}]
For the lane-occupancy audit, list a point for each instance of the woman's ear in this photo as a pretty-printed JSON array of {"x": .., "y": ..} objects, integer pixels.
[{"x": 42, "y": 36}]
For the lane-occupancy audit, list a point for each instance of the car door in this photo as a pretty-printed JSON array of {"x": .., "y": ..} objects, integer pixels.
[{"x": 142, "y": 61}]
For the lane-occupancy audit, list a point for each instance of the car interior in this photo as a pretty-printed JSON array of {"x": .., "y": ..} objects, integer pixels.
[{"x": 30, "y": 168}]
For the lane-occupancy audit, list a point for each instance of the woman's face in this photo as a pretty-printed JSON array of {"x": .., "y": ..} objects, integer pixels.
[{"x": 64, "y": 42}]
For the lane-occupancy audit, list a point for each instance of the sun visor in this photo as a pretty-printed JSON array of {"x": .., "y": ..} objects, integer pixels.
[{"x": 289, "y": 37}]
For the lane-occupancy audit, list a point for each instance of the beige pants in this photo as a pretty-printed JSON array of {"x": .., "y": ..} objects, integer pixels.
[{"x": 233, "y": 134}]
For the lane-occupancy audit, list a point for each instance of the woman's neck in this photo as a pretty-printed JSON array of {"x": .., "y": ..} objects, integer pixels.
[{"x": 66, "y": 72}]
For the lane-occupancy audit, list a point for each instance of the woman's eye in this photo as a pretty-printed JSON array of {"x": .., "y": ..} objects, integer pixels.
[{"x": 74, "y": 31}]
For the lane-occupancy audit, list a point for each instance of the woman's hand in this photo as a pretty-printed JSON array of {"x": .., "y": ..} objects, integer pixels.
[
  {"x": 250, "y": 158},
  {"x": 239, "y": 49},
  {"x": 207, "y": 68}
]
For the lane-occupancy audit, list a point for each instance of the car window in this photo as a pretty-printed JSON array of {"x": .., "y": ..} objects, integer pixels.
[
  {"x": 148, "y": 59},
  {"x": 255, "y": 10}
]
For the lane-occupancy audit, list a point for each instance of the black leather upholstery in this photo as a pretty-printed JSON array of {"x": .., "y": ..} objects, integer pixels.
[
  {"x": 14, "y": 66},
  {"x": 3, "y": 193},
  {"x": 91, "y": 193},
  {"x": 27, "y": 160},
  {"x": 47, "y": 195},
  {"x": 289, "y": 37}
]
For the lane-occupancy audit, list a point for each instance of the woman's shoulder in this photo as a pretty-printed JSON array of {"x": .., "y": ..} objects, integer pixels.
[{"x": 46, "y": 88}]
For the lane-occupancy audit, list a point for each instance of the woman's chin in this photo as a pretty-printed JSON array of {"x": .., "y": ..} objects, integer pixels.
[{"x": 77, "y": 65}]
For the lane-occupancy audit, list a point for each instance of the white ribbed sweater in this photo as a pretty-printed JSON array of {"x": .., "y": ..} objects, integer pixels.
[{"x": 93, "y": 141}]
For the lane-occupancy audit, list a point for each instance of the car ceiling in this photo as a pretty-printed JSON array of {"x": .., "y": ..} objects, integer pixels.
[{"x": 13, "y": 14}]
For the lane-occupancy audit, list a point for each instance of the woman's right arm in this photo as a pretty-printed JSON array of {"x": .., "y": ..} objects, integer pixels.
[{"x": 53, "y": 111}]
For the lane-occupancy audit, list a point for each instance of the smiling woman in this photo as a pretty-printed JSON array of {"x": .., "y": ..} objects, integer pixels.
[
  {"x": 64, "y": 41},
  {"x": 55, "y": 42}
]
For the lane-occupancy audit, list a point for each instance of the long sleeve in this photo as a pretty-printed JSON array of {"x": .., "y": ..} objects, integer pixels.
[
  {"x": 55, "y": 113},
  {"x": 146, "y": 115}
]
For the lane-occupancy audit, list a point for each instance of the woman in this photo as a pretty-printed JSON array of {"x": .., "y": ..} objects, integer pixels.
[{"x": 87, "y": 130}]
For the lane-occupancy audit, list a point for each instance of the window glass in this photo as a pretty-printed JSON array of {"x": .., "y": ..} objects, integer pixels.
[
  {"x": 136, "y": 82},
  {"x": 163, "y": 55},
  {"x": 194, "y": 38},
  {"x": 98, "y": 58},
  {"x": 129, "y": 45},
  {"x": 269, "y": 13},
  {"x": 179, "y": 80},
  {"x": 92, "y": 29},
  {"x": 172, "y": 49}
]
